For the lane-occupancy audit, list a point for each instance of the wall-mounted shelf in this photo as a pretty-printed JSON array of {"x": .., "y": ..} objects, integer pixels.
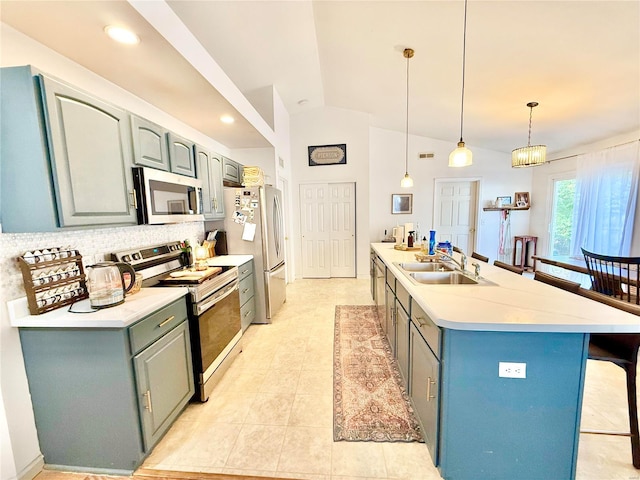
[{"x": 492, "y": 209}]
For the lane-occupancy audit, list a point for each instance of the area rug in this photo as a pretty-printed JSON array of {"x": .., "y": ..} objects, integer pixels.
[{"x": 369, "y": 401}]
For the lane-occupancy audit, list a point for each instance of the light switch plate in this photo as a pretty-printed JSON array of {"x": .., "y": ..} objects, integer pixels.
[{"x": 512, "y": 370}]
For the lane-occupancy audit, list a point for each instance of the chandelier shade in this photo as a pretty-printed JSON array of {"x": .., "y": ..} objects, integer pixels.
[
  {"x": 531, "y": 155},
  {"x": 461, "y": 156}
]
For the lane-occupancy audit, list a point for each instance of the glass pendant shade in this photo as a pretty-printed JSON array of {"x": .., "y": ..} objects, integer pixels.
[
  {"x": 529, "y": 156},
  {"x": 461, "y": 156},
  {"x": 407, "y": 181}
]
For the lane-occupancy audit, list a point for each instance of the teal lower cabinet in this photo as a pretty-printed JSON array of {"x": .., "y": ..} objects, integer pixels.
[
  {"x": 500, "y": 428},
  {"x": 424, "y": 382},
  {"x": 102, "y": 397}
]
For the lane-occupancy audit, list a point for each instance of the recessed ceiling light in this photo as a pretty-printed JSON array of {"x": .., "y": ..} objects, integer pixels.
[
  {"x": 227, "y": 119},
  {"x": 122, "y": 35}
]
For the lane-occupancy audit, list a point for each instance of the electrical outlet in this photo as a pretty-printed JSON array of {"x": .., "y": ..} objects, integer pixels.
[{"x": 512, "y": 370}]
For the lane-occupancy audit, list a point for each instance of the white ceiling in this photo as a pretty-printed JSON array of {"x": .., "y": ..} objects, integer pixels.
[{"x": 579, "y": 59}]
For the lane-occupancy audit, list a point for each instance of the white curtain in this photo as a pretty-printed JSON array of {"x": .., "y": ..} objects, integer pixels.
[{"x": 605, "y": 204}]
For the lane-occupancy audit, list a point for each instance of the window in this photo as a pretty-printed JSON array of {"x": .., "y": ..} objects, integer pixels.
[{"x": 562, "y": 216}]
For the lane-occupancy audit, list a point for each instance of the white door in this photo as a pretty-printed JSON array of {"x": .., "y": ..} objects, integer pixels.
[
  {"x": 328, "y": 230},
  {"x": 342, "y": 201},
  {"x": 455, "y": 213}
]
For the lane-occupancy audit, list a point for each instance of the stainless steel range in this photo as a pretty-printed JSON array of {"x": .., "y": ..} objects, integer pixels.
[{"x": 214, "y": 307}]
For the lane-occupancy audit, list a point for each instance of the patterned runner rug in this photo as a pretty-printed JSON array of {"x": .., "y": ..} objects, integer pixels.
[{"x": 369, "y": 401}]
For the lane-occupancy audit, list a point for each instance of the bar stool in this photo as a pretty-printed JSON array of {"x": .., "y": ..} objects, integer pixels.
[{"x": 524, "y": 240}]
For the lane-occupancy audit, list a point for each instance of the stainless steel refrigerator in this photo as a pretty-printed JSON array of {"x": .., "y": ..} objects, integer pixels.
[{"x": 254, "y": 226}]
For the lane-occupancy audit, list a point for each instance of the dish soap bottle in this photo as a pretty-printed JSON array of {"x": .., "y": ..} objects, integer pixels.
[
  {"x": 432, "y": 242},
  {"x": 410, "y": 239}
]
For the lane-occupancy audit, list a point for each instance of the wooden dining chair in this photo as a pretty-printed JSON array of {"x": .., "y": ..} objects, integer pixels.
[
  {"x": 506, "y": 266},
  {"x": 477, "y": 256},
  {"x": 617, "y": 277},
  {"x": 620, "y": 349},
  {"x": 564, "y": 284}
]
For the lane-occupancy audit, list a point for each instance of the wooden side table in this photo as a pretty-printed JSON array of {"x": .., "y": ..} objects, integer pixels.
[{"x": 524, "y": 240}]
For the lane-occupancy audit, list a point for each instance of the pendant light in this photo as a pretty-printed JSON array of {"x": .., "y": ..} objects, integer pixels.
[
  {"x": 462, "y": 156},
  {"x": 531, "y": 155},
  {"x": 407, "y": 181}
]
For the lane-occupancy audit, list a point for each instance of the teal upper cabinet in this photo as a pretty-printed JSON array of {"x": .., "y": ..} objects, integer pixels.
[
  {"x": 181, "y": 155},
  {"x": 210, "y": 172},
  {"x": 149, "y": 144},
  {"x": 59, "y": 148},
  {"x": 231, "y": 172}
]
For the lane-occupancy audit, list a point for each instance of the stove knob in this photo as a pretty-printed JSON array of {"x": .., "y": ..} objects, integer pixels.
[
  {"x": 126, "y": 258},
  {"x": 136, "y": 256}
]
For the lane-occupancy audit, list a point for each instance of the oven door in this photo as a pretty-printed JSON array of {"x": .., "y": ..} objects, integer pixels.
[{"x": 218, "y": 324}]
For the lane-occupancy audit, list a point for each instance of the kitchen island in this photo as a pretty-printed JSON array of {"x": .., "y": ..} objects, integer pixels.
[{"x": 496, "y": 369}]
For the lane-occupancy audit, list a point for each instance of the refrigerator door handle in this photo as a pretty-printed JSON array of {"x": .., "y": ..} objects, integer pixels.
[{"x": 277, "y": 216}]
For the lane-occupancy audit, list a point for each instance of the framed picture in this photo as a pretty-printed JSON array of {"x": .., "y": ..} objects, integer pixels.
[
  {"x": 503, "y": 201},
  {"x": 522, "y": 199},
  {"x": 401, "y": 203},
  {"x": 328, "y": 155}
]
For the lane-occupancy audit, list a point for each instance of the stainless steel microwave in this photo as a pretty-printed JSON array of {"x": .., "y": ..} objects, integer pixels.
[{"x": 164, "y": 197}]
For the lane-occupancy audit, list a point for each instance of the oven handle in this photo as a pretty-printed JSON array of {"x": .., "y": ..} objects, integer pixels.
[{"x": 228, "y": 290}]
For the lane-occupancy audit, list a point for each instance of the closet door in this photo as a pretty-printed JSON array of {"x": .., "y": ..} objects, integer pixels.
[{"x": 328, "y": 230}]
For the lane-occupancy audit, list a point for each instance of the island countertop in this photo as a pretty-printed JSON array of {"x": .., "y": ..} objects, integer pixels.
[
  {"x": 134, "y": 308},
  {"x": 515, "y": 303}
]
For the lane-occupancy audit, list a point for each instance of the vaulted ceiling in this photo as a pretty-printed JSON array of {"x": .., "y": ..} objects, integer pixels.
[{"x": 579, "y": 59}]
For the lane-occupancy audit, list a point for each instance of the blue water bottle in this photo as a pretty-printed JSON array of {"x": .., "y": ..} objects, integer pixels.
[{"x": 432, "y": 242}]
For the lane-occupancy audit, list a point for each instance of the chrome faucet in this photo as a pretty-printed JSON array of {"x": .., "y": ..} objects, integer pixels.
[
  {"x": 462, "y": 263},
  {"x": 477, "y": 270}
]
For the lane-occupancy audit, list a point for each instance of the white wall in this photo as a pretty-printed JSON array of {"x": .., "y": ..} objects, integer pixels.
[
  {"x": 492, "y": 169},
  {"x": 328, "y": 126}
]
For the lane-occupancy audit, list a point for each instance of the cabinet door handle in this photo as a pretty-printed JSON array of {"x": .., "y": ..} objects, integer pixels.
[
  {"x": 162, "y": 324},
  {"x": 134, "y": 202},
  {"x": 214, "y": 202},
  {"x": 245, "y": 290},
  {"x": 147, "y": 401},
  {"x": 429, "y": 383},
  {"x": 247, "y": 313},
  {"x": 421, "y": 322}
]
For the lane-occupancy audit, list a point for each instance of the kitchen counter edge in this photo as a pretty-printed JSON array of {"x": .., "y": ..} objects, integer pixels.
[{"x": 134, "y": 308}]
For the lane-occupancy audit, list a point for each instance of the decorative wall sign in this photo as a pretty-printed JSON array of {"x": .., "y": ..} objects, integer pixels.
[
  {"x": 401, "y": 203},
  {"x": 328, "y": 155}
]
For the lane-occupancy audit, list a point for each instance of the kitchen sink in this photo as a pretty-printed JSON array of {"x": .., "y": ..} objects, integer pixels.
[
  {"x": 443, "y": 278},
  {"x": 425, "y": 267}
]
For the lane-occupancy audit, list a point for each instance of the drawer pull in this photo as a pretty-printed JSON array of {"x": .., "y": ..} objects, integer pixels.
[
  {"x": 244, "y": 271},
  {"x": 162, "y": 324},
  {"x": 147, "y": 401},
  {"x": 245, "y": 290},
  {"x": 421, "y": 321},
  {"x": 247, "y": 313},
  {"x": 429, "y": 383}
]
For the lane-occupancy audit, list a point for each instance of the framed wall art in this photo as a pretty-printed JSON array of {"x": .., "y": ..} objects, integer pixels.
[
  {"x": 522, "y": 199},
  {"x": 401, "y": 203},
  {"x": 328, "y": 155}
]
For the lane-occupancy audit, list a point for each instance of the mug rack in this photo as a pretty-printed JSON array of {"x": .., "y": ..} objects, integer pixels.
[{"x": 55, "y": 282}]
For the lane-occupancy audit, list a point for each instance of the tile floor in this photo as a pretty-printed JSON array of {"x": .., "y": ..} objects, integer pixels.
[{"x": 271, "y": 414}]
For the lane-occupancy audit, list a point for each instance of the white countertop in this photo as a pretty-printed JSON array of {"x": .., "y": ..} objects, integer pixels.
[
  {"x": 134, "y": 308},
  {"x": 228, "y": 260},
  {"x": 515, "y": 303}
]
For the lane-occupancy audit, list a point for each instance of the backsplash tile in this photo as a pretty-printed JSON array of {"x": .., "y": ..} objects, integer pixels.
[{"x": 89, "y": 243}]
